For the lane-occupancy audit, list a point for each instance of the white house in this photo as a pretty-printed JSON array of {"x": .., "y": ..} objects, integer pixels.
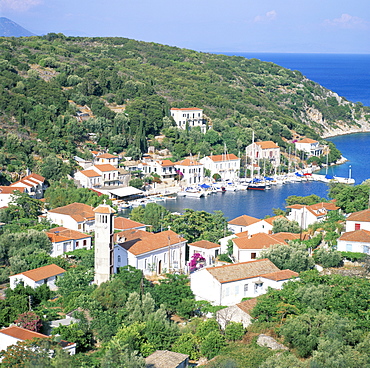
[
  {"x": 248, "y": 248},
  {"x": 104, "y": 175},
  {"x": 6, "y": 194},
  {"x": 122, "y": 224},
  {"x": 151, "y": 253},
  {"x": 74, "y": 216},
  {"x": 310, "y": 146},
  {"x": 358, "y": 220},
  {"x": 239, "y": 313},
  {"x": 189, "y": 117},
  {"x": 252, "y": 225},
  {"x": 227, "y": 165},
  {"x": 192, "y": 171},
  {"x": 227, "y": 285},
  {"x": 37, "y": 277},
  {"x": 307, "y": 215},
  {"x": 66, "y": 240},
  {"x": 355, "y": 241},
  {"x": 207, "y": 249},
  {"x": 164, "y": 168},
  {"x": 266, "y": 150},
  {"x": 13, "y": 334},
  {"x": 33, "y": 184}
]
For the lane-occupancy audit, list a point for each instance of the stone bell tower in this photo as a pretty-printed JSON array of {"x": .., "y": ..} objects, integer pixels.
[{"x": 104, "y": 246}]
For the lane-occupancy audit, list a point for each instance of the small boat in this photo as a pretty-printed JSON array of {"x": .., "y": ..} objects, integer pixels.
[{"x": 256, "y": 184}]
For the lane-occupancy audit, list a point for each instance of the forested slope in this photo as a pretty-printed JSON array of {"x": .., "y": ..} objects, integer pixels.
[{"x": 43, "y": 79}]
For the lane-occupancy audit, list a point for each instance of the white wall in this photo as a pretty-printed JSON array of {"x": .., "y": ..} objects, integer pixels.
[
  {"x": 16, "y": 279},
  {"x": 208, "y": 254},
  {"x": 205, "y": 287},
  {"x": 59, "y": 248},
  {"x": 352, "y": 246},
  {"x": 350, "y": 225}
]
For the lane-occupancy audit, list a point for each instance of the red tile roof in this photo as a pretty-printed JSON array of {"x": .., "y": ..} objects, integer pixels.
[
  {"x": 152, "y": 242},
  {"x": 227, "y": 157},
  {"x": 78, "y": 211},
  {"x": 280, "y": 275},
  {"x": 205, "y": 244},
  {"x": 185, "y": 108},
  {"x": 356, "y": 236},
  {"x": 270, "y": 220},
  {"x": 243, "y": 270},
  {"x": 106, "y": 155},
  {"x": 42, "y": 272},
  {"x": 187, "y": 162},
  {"x": 267, "y": 144},
  {"x": 22, "y": 333},
  {"x": 10, "y": 190},
  {"x": 132, "y": 234},
  {"x": 247, "y": 305},
  {"x": 59, "y": 234},
  {"x": 106, "y": 167},
  {"x": 122, "y": 223},
  {"x": 257, "y": 241},
  {"x": 307, "y": 140},
  {"x": 244, "y": 220},
  {"x": 104, "y": 208},
  {"x": 90, "y": 173},
  {"x": 362, "y": 216}
]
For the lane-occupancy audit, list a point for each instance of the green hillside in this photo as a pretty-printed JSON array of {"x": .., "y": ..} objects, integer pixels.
[{"x": 44, "y": 79}]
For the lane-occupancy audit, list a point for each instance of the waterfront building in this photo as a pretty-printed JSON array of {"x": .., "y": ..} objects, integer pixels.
[
  {"x": 164, "y": 168},
  {"x": 310, "y": 146},
  {"x": 191, "y": 171},
  {"x": 189, "y": 117},
  {"x": 226, "y": 165},
  {"x": 266, "y": 150}
]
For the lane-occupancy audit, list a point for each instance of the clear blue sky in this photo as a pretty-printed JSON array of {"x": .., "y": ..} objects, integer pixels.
[{"x": 334, "y": 26}]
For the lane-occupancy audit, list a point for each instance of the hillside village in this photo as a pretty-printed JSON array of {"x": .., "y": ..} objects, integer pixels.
[{"x": 83, "y": 286}]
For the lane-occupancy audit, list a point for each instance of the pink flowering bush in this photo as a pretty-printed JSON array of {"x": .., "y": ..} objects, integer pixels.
[
  {"x": 196, "y": 262},
  {"x": 30, "y": 321}
]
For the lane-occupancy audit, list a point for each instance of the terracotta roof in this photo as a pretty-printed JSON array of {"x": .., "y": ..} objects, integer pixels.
[
  {"x": 165, "y": 359},
  {"x": 307, "y": 140},
  {"x": 58, "y": 234},
  {"x": 165, "y": 163},
  {"x": 42, "y": 272},
  {"x": 31, "y": 179},
  {"x": 244, "y": 220},
  {"x": 362, "y": 216},
  {"x": 227, "y": 157},
  {"x": 242, "y": 234},
  {"x": 132, "y": 234},
  {"x": 78, "y": 211},
  {"x": 152, "y": 242},
  {"x": 106, "y": 167},
  {"x": 267, "y": 144},
  {"x": 104, "y": 208},
  {"x": 356, "y": 236},
  {"x": 122, "y": 223},
  {"x": 247, "y": 305},
  {"x": 106, "y": 155},
  {"x": 284, "y": 236},
  {"x": 10, "y": 190},
  {"x": 205, "y": 244},
  {"x": 280, "y": 275},
  {"x": 185, "y": 108},
  {"x": 188, "y": 162},
  {"x": 89, "y": 173},
  {"x": 243, "y": 270},
  {"x": 330, "y": 206},
  {"x": 257, "y": 241},
  {"x": 270, "y": 220},
  {"x": 22, "y": 333}
]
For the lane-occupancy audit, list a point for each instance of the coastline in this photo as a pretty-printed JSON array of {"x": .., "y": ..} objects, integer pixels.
[{"x": 340, "y": 132}]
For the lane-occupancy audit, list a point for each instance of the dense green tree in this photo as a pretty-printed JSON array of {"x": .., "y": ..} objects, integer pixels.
[
  {"x": 212, "y": 344},
  {"x": 282, "y": 224},
  {"x": 152, "y": 214},
  {"x": 234, "y": 331}
]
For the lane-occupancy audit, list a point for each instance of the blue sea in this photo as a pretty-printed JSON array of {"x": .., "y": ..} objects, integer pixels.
[{"x": 347, "y": 75}]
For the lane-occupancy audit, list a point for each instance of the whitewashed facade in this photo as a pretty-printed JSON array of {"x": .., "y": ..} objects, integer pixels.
[{"x": 226, "y": 165}]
